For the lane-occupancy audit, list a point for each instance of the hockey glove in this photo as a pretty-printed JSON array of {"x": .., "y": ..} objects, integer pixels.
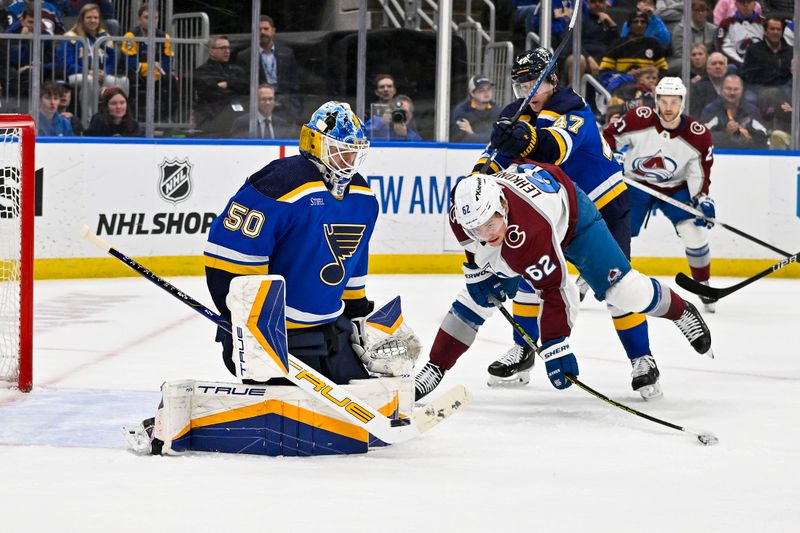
[
  {"x": 559, "y": 361},
  {"x": 706, "y": 205},
  {"x": 513, "y": 139},
  {"x": 484, "y": 287}
]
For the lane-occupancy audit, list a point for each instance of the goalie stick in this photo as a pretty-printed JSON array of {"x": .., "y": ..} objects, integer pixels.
[
  {"x": 543, "y": 76},
  {"x": 696, "y": 212},
  {"x": 706, "y": 438},
  {"x": 315, "y": 384},
  {"x": 696, "y": 287}
]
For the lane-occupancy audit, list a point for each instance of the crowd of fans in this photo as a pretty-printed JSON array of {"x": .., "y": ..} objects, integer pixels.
[{"x": 740, "y": 63}]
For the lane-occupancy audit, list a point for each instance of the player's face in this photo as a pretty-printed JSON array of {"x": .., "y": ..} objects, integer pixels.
[
  {"x": 493, "y": 231},
  {"x": 540, "y": 98},
  {"x": 669, "y": 107}
]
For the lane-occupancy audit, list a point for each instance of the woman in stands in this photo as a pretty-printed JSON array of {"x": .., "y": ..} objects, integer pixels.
[{"x": 114, "y": 119}]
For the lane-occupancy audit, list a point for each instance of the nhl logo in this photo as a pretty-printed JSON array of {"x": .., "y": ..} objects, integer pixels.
[{"x": 175, "y": 180}]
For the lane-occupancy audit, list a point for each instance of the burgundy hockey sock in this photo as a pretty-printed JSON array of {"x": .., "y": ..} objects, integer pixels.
[{"x": 446, "y": 350}]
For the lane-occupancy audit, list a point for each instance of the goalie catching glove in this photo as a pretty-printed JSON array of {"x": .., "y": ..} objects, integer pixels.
[{"x": 384, "y": 342}]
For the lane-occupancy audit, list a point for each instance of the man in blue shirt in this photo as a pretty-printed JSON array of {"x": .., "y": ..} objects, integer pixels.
[
  {"x": 51, "y": 123},
  {"x": 396, "y": 122}
]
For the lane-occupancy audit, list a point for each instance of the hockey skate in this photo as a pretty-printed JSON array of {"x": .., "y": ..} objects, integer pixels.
[
  {"x": 645, "y": 378},
  {"x": 428, "y": 379},
  {"x": 695, "y": 330},
  {"x": 513, "y": 369},
  {"x": 140, "y": 438},
  {"x": 709, "y": 304}
]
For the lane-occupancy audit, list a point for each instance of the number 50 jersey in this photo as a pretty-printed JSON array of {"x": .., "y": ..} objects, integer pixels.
[{"x": 284, "y": 221}]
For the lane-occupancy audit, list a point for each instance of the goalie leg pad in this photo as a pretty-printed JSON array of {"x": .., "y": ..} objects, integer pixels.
[{"x": 266, "y": 420}]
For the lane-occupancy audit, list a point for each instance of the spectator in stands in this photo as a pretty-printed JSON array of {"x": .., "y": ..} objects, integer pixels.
[
  {"x": 767, "y": 62},
  {"x": 221, "y": 89},
  {"x": 114, "y": 117},
  {"x": 50, "y": 123},
  {"x": 268, "y": 125},
  {"x": 739, "y": 31},
  {"x": 385, "y": 91},
  {"x": 70, "y": 8},
  {"x": 19, "y": 54},
  {"x": 474, "y": 117},
  {"x": 702, "y": 32},
  {"x": 698, "y": 58},
  {"x": 65, "y": 107},
  {"x": 71, "y": 53},
  {"x": 52, "y": 20},
  {"x": 671, "y": 12},
  {"x": 598, "y": 32},
  {"x": 655, "y": 26},
  {"x": 562, "y": 13},
  {"x": 640, "y": 92},
  {"x": 709, "y": 86},
  {"x": 134, "y": 55},
  {"x": 395, "y": 123},
  {"x": 727, "y": 8},
  {"x": 734, "y": 123},
  {"x": 633, "y": 51},
  {"x": 276, "y": 64}
]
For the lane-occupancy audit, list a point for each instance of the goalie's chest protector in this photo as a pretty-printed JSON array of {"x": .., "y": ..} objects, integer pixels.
[{"x": 318, "y": 243}]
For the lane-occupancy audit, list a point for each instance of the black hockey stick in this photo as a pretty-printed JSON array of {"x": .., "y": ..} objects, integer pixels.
[
  {"x": 696, "y": 287},
  {"x": 539, "y": 80},
  {"x": 705, "y": 437},
  {"x": 696, "y": 212},
  {"x": 315, "y": 384}
]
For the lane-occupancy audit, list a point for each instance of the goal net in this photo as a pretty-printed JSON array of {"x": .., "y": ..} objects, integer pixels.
[{"x": 17, "y": 139}]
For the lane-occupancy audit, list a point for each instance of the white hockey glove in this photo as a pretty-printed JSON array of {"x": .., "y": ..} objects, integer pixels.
[{"x": 384, "y": 342}]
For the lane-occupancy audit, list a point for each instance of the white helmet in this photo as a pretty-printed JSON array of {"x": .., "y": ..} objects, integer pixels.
[
  {"x": 671, "y": 86},
  {"x": 476, "y": 199}
]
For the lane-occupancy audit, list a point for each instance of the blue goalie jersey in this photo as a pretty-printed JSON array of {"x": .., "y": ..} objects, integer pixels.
[
  {"x": 284, "y": 221},
  {"x": 567, "y": 135}
]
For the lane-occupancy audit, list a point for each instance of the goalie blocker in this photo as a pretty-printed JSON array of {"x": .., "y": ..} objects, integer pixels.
[{"x": 264, "y": 419}]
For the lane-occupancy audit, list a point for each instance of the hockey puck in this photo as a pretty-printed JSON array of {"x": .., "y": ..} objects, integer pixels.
[{"x": 707, "y": 439}]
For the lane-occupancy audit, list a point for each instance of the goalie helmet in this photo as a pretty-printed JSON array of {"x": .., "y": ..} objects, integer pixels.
[
  {"x": 336, "y": 139},
  {"x": 527, "y": 68},
  {"x": 476, "y": 199},
  {"x": 671, "y": 86}
]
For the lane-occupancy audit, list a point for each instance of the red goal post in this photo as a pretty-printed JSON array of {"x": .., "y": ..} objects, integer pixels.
[{"x": 17, "y": 206}]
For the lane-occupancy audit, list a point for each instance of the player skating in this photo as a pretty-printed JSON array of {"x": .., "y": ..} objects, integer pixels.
[
  {"x": 529, "y": 221},
  {"x": 559, "y": 127},
  {"x": 672, "y": 153}
]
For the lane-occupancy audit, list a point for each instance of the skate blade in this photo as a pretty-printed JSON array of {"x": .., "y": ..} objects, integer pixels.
[
  {"x": 709, "y": 353},
  {"x": 651, "y": 392},
  {"x": 520, "y": 379}
]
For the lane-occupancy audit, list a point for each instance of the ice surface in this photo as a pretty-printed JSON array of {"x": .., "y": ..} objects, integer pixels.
[{"x": 530, "y": 459}]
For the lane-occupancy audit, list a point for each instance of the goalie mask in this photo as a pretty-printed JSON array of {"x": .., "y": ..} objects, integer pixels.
[
  {"x": 475, "y": 201},
  {"x": 670, "y": 86},
  {"x": 336, "y": 139},
  {"x": 527, "y": 68}
]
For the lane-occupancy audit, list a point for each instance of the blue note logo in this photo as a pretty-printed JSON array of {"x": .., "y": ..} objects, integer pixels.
[{"x": 343, "y": 241}]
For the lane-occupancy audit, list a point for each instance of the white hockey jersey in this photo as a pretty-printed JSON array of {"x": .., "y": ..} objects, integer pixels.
[{"x": 665, "y": 159}]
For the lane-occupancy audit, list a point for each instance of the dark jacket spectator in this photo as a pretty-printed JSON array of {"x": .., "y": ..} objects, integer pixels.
[
  {"x": 268, "y": 124},
  {"x": 768, "y": 62},
  {"x": 52, "y": 21},
  {"x": 474, "y": 117},
  {"x": 709, "y": 86},
  {"x": 114, "y": 118},
  {"x": 633, "y": 51},
  {"x": 598, "y": 30},
  {"x": 221, "y": 89},
  {"x": 733, "y": 122},
  {"x": 19, "y": 55},
  {"x": 276, "y": 64}
]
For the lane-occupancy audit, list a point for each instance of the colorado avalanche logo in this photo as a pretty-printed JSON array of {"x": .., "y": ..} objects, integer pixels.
[
  {"x": 643, "y": 112},
  {"x": 656, "y": 167},
  {"x": 514, "y": 237}
]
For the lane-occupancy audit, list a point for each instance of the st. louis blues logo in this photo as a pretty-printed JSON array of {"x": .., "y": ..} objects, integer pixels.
[
  {"x": 656, "y": 167},
  {"x": 343, "y": 241}
]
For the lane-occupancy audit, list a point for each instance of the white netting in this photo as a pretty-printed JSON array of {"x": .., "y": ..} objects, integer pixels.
[{"x": 10, "y": 254}]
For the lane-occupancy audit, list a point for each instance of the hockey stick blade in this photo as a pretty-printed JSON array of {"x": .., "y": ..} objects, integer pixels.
[
  {"x": 696, "y": 287},
  {"x": 435, "y": 412},
  {"x": 348, "y": 406}
]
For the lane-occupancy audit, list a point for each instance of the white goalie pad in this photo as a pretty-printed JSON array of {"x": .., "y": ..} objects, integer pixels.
[
  {"x": 258, "y": 320},
  {"x": 385, "y": 342}
]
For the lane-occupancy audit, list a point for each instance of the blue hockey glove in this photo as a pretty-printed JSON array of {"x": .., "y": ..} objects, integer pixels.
[
  {"x": 483, "y": 286},
  {"x": 513, "y": 139},
  {"x": 559, "y": 361},
  {"x": 706, "y": 205}
]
